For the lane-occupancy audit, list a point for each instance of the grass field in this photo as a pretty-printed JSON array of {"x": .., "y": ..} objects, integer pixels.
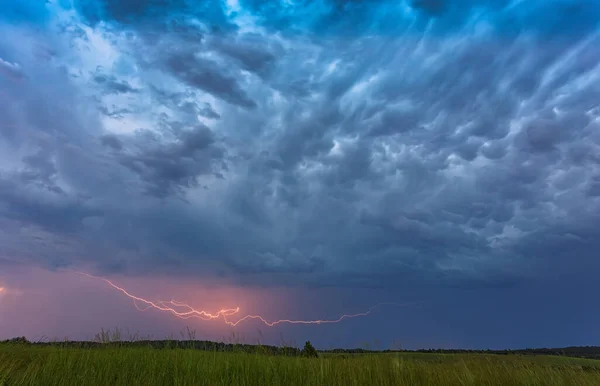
[{"x": 34, "y": 365}]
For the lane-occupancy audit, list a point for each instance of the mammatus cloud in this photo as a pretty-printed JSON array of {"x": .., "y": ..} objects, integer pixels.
[{"x": 434, "y": 143}]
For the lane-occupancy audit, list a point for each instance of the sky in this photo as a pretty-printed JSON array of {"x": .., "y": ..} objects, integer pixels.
[{"x": 303, "y": 159}]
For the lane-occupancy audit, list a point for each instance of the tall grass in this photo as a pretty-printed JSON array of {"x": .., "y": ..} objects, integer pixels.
[{"x": 22, "y": 364}]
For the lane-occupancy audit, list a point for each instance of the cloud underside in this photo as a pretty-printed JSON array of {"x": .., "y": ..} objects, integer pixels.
[{"x": 317, "y": 144}]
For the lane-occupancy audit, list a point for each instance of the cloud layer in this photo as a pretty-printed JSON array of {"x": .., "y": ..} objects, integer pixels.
[{"x": 317, "y": 143}]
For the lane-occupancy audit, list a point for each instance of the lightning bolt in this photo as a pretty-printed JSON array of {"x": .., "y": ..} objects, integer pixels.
[{"x": 185, "y": 311}]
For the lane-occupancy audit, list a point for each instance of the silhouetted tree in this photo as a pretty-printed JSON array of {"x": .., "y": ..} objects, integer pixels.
[
  {"x": 18, "y": 340},
  {"x": 309, "y": 350}
]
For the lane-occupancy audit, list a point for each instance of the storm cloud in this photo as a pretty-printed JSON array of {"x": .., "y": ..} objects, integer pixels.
[{"x": 435, "y": 144}]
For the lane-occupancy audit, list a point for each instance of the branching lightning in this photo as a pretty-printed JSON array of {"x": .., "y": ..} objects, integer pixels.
[{"x": 185, "y": 311}]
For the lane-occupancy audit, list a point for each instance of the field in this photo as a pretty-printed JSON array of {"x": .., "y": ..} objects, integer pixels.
[{"x": 26, "y": 364}]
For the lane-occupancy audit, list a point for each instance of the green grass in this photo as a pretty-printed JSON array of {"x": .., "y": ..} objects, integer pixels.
[{"x": 35, "y": 365}]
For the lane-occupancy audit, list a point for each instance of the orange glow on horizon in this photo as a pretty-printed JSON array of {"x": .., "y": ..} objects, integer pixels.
[
  {"x": 185, "y": 311},
  {"x": 1, "y": 289}
]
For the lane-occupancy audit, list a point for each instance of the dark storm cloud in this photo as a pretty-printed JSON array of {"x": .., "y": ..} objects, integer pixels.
[
  {"x": 173, "y": 167},
  {"x": 184, "y": 103},
  {"x": 39, "y": 168},
  {"x": 432, "y": 7},
  {"x": 250, "y": 51},
  {"x": 354, "y": 18},
  {"x": 56, "y": 212},
  {"x": 112, "y": 142},
  {"x": 205, "y": 111},
  {"x": 112, "y": 85},
  {"x": 114, "y": 111},
  {"x": 152, "y": 12},
  {"x": 459, "y": 156},
  {"x": 206, "y": 75}
]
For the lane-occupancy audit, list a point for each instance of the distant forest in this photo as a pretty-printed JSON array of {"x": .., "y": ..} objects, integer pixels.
[{"x": 592, "y": 352}]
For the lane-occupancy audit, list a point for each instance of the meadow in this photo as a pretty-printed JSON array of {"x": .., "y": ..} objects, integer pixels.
[{"x": 109, "y": 364}]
